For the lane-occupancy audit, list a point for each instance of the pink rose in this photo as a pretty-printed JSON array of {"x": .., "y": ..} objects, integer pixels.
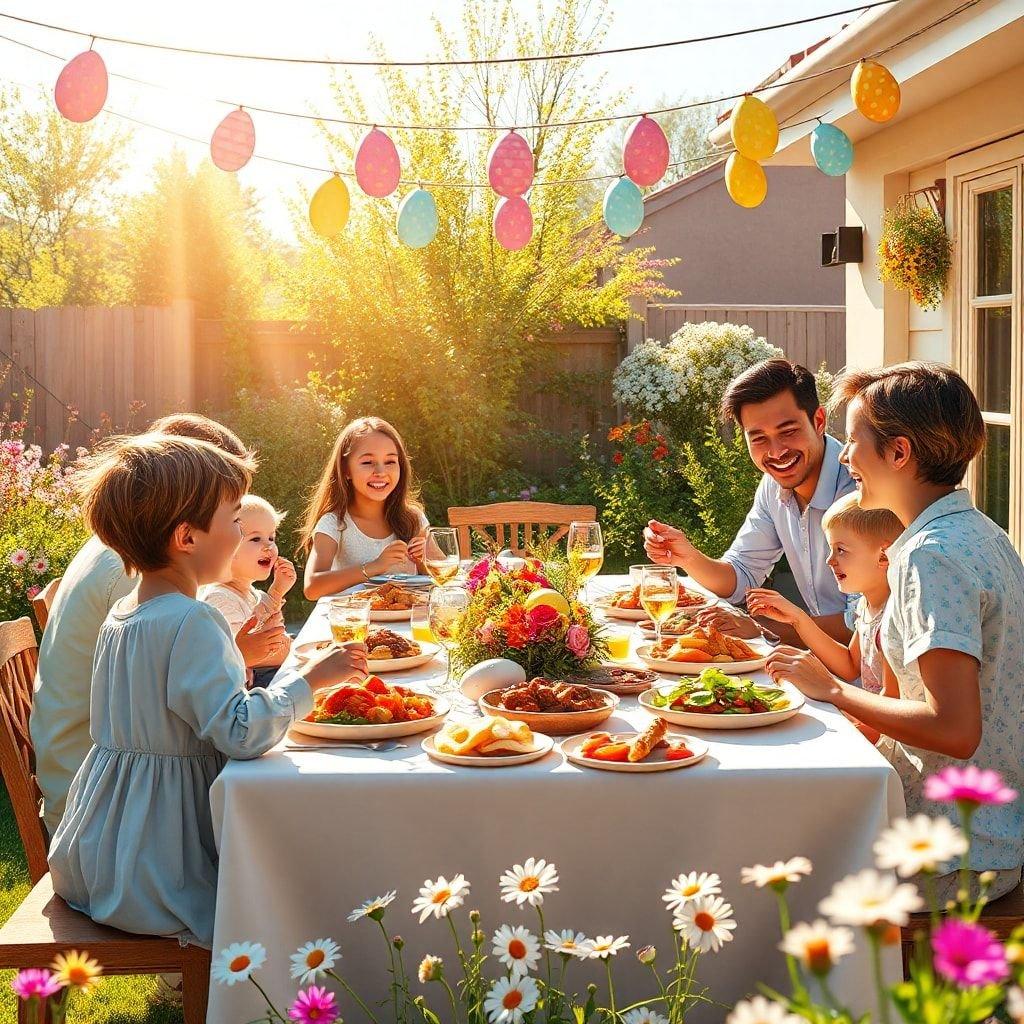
[
  {"x": 542, "y": 618},
  {"x": 578, "y": 641},
  {"x": 486, "y": 633}
]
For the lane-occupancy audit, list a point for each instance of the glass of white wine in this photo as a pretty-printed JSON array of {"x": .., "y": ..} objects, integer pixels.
[
  {"x": 441, "y": 554},
  {"x": 349, "y": 618},
  {"x": 445, "y": 611},
  {"x": 659, "y": 593},
  {"x": 586, "y": 546}
]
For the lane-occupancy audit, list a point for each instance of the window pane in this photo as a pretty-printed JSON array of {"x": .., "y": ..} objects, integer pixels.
[
  {"x": 994, "y": 358},
  {"x": 994, "y": 478},
  {"x": 995, "y": 242}
]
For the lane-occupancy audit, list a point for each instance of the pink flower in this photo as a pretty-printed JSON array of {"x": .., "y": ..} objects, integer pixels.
[
  {"x": 19, "y": 557},
  {"x": 33, "y": 592},
  {"x": 969, "y": 955},
  {"x": 33, "y": 983},
  {"x": 40, "y": 564},
  {"x": 541, "y": 619},
  {"x": 525, "y": 495},
  {"x": 486, "y": 633},
  {"x": 971, "y": 785},
  {"x": 478, "y": 574},
  {"x": 315, "y": 1005},
  {"x": 578, "y": 641}
]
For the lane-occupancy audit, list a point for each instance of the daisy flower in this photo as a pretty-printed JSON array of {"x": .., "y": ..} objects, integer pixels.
[
  {"x": 761, "y": 1011},
  {"x": 374, "y": 908},
  {"x": 509, "y": 999},
  {"x": 431, "y": 968},
  {"x": 869, "y": 898},
  {"x": 32, "y": 983},
  {"x": 40, "y": 564},
  {"x": 76, "y": 970},
  {"x": 605, "y": 946},
  {"x": 817, "y": 946},
  {"x": 1015, "y": 1004},
  {"x": 237, "y": 961},
  {"x": 643, "y": 1015},
  {"x": 705, "y": 924},
  {"x": 567, "y": 943},
  {"x": 919, "y": 844},
  {"x": 440, "y": 897},
  {"x": 517, "y": 949},
  {"x": 19, "y": 557},
  {"x": 779, "y": 875},
  {"x": 314, "y": 959},
  {"x": 529, "y": 882},
  {"x": 314, "y": 1006},
  {"x": 690, "y": 887}
]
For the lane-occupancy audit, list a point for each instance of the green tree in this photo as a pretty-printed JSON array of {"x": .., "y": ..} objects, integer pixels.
[{"x": 440, "y": 340}]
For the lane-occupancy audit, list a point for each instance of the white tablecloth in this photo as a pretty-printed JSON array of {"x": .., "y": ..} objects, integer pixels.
[{"x": 306, "y": 836}]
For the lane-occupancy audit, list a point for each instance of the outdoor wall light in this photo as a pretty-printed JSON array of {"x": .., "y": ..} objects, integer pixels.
[{"x": 844, "y": 245}]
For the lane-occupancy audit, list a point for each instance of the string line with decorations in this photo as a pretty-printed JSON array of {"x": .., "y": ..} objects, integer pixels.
[{"x": 82, "y": 86}]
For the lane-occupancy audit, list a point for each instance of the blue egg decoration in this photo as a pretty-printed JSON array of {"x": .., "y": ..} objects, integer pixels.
[
  {"x": 623, "y": 207},
  {"x": 832, "y": 150},
  {"x": 417, "y": 219}
]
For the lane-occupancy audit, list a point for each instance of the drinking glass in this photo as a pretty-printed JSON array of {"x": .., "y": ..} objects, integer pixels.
[
  {"x": 659, "y": 594},
  {"x": 585, "y": 545},
  {"x": 350, "y": 619},
  {"x": 420, "y": 622},
  {"x": 441, "y": 554},
  {"x": 618, "y": 639},
  {"x": 445, "y": 611}
]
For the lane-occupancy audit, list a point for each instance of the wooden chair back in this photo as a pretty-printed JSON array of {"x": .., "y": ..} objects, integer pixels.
[
  {"x": 18, "y": 659},
  {"x": 515, "y": 524},
  {"x": 43, "y": 602}
]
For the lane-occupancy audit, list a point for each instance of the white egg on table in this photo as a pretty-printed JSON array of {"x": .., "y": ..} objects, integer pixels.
[{"x": 493, "y": 674}]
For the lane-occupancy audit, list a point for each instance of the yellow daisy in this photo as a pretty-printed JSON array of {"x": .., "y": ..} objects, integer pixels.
[{"x": 77, "y": 970}]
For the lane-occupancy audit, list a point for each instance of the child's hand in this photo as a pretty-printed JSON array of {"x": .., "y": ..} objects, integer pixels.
[
  {"x": 269, "y": 646},
  {"x": 772, "y": 605},
  {"x": 417, "y": 548},
  {"x": 392, "y": 559},
  {"x": 804, "y": 671},
  {"x": 284, "y": 579},
  {"x": 338, "y": 665}
]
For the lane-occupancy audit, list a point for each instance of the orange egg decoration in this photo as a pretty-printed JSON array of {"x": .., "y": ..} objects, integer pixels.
[
  {"x": 875, "y": 92},
  {"x": 81, "y": 88},
  {"x": 233, "y": 142}
]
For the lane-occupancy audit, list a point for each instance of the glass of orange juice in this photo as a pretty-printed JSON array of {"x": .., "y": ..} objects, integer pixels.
[
  {"x": 420, "y": 622},
  {"x": 618, "y": 639}
]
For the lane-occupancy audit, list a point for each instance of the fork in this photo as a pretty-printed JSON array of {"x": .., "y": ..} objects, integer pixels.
[{"x": 380, "y": 745}]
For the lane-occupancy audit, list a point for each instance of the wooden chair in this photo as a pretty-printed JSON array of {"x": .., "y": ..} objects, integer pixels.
[
  {"x": 518, "y": 518},
  {"x": 44, "y": 925},
  {"x": 43, "y": 602}
]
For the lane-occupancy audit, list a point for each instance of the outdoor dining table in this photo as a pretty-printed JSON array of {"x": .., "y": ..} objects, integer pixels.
[{"x": 307, "y": 836}]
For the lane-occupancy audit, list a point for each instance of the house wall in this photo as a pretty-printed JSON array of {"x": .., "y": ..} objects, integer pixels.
[{"x": 766, "y": 256}]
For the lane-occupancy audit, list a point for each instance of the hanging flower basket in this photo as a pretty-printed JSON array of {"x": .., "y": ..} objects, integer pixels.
[{"x": 914, "y": 253}]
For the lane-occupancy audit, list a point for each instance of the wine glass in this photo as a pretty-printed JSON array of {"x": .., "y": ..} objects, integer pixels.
[
  {"x": 445, "y": 610},
  {"x": 441, "y": 554},
  {"x": 349, "y": 618},
  {"x": 585, "y": 545},
  {"x": 659, "y": 594}
]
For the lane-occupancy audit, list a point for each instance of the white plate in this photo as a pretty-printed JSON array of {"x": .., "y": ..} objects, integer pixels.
[
  {"x": 654, "y": 762},
  {"x": 392, "y": 730},
  {"x": 697, "y": 720},
  {"x": 543, "y": 747},
  {"x": 428, "y": 652},
  {"x": 391, "y": 616},
  {"x": 694, "y": 668},
  {"x": 306, "y": 650},
  {"x": 604, "y": 605}
]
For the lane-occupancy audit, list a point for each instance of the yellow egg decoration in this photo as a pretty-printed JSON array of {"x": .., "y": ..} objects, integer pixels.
[
  {"x": 328, "y": 209},
  {"x": 745, "y": 181},
  {"x": 876, "y": 94},
  {"x": 754, "y": 129}
]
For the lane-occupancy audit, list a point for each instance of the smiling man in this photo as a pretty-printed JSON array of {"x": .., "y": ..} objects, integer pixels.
[{"x": 776, "y": 405}]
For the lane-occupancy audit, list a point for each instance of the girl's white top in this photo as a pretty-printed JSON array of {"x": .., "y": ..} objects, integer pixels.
[{"x": 354, "y": 547}]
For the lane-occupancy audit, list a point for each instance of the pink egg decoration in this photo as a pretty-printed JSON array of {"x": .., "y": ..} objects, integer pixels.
[
  {"x": 378, "y": 168},
  {"x": 81, "y": 88},
  {"x": 510, "y": 165},
  {"x": 234, "y": 141},
  {"x": 645, "y": 152},
  {"x": 513, "y": 223}
]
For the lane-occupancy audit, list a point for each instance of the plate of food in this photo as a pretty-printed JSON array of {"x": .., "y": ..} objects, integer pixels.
[
  {"x": 392, "y": 602},
  {"x": 715, "y": 700},
  {"x": 308, "y": 648},
  {"x": 489, "y": 742},
  {"x": 621, "y": 679},
  {"x": 676, "y": 624},
  {"x": 387, "y": 651},
  {"x": 692, "y": 652},
  {"x": 411, "y": 579},
  {"x": 554, "y": 707},
  {"x": 372, "y": 710},
  {"x": 652, "y": 750},
  {"x": 625, "y": 603}
]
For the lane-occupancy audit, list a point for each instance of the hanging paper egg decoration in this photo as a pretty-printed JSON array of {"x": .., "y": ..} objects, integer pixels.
[
  {"x": 876, "y": 94},
  {"x": 623, "y": 207},
  {"x": 754, "y": 129},
  {"x": 645, "y": 152},
  {"x": 378, "y": 168},
  {"x": 513, "y": 223},
  {"x": 832, "y": 149},
  {"x": 417, "y": 219},
  {"x": 745, "y": 180},
  {"x": 328, "y": 209},
  {"x": 233, "y": 141},
  {"x": 81, "y": 88},
  {"x": 510, "y": 165}
]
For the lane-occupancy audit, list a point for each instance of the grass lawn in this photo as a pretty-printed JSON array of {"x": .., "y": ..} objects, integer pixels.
[{"x": 118, "y": 1000}]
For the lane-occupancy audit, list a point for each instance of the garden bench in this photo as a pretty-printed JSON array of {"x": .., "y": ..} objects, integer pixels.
[{"x": 510, "y": 520}]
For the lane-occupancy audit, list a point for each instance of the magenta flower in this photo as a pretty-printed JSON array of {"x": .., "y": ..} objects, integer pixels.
[
  {"x": 971, "y": 785},
  {"x": 33, "y": 983},
  {"x": 315, "y": 1005},
  {"x": 577, "y": 639},
  {"x": 969, "y": 955}
]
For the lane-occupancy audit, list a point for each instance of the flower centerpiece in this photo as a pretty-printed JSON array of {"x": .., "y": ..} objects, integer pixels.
[{"x": 527, "y": 610}]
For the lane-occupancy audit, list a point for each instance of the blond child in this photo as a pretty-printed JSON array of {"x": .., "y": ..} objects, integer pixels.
[{"x": 135, "y": 848}]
